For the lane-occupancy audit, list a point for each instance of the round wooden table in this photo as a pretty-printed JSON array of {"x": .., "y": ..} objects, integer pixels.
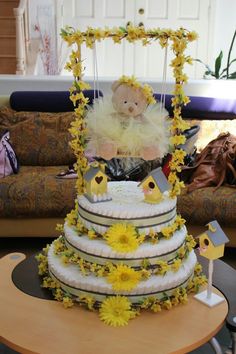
[{"x": 33, "y": 325}]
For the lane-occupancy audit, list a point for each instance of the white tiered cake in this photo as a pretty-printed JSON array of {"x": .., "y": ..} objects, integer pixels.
[{"x": 124, "y": 248}]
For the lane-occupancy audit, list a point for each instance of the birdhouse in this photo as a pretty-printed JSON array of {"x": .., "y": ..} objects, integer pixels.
[
  {"x": 154, "y": 185},
  {"x": 96, "y": 184},
  {"x": 212, "y": 242}
]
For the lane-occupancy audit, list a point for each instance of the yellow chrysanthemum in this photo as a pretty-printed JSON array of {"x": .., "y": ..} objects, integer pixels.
[
  {"x": 123, "y": 278},
  {"x": 116, "y": 311},
  {"x": 122, "y": 238}
]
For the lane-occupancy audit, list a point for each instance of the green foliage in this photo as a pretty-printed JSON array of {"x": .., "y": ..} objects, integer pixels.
[{"x": 219, "y": 73}]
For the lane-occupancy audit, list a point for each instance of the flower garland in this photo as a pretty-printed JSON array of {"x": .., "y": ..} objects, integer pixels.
[
  {"x": 113, "y": 272},
  {"x": 146, "y": 89},
  {"x": 179, "y": 38},
  {"x": 117, "y": 310},
  {"x": 122, "y": 237}
]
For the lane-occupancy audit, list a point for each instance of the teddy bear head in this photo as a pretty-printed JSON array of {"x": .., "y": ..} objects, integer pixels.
[{"x": 127, "y": 100}]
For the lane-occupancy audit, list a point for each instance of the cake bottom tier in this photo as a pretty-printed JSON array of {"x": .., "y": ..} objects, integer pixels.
[{"x": 72, "y": 281}]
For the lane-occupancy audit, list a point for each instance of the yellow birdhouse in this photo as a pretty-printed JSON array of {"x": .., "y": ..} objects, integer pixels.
[
  {"x": 154, "y": 185},
  {"x": 212, "y": 242},
  {"x": 96, "y": 184}
]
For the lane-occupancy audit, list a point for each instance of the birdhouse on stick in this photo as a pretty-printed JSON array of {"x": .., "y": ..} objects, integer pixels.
[{"x": 212, "y": 242}]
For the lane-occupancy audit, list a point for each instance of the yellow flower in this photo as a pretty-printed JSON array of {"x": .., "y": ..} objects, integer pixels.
[
  {"x": 179, "y": 221},
  {"x": 178, "y": 139},
  {"x": 162, "y": 268},
  {"x": 181, "y": 252},
  {"x": 60, "y": 227},
  {"x": 192, "y": 36},
  {"x": 42, "y": 268},
  {"x": 183, "y": 299},
  {"x": 176, "y": 265},
  {"x": 123, "y": 278},
  {"x": 82, "y": 264},
  {"x": 58, "y": 295},
  {"x": 198, "y": 268},
  {"x": 92, "y": 234},
  {"x": 145, "y": 274},
  {"x": 174, "y": 301},
  {"x": 191, "y": 243},
  {"x": 67, "y": 302},
  {"x": 172, "y": 177},
  {"x": 71, "y": 218},
  {"x": 122, "y": 237},
  {"x": 116, "y": 311},
  {"x": 146, "y": 89},
  {"x": 156, "y": 307},
  {"x": 167, "y": 304},
  {"x": 89, "y": 301},
  {"x": 167, "y": 231}
]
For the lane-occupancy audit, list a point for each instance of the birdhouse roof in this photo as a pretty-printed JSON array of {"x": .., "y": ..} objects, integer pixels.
[
  {"x": 217, "y": 237},
  {"x": 92, "y": 172},
  {"x": 159, "y": 178}
]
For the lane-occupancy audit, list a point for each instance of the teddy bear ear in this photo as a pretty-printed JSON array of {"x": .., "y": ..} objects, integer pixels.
[{"x": 115, "y": 85}]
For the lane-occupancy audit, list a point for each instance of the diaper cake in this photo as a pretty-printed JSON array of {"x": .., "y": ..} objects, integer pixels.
[{"x": 123, "y": 248}]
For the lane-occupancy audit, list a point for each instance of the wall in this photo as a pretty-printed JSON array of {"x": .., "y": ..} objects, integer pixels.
[
  {"x": 223, "y": 29},
  {"x": 222, "y": 17}
]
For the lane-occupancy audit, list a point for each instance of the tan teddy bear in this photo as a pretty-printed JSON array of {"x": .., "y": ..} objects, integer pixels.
[{"x": 123, "y": 125}]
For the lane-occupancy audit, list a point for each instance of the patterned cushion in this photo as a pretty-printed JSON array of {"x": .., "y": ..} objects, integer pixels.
[
  {"x": 39, "y": 138},
  {"x": 204, "y": 205},
  {"x": 35, "y": 192}
]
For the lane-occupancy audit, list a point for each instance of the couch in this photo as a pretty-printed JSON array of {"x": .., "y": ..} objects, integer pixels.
[{"x": 34, "y": 201}]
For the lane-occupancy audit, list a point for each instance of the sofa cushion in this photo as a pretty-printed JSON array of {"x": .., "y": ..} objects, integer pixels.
[
  {"x": 47, "y": 101},
  {"x": 36, "y": 192},
  {"x": 39, "y": 138},
  {"x": 204, "y": 107},
  {"x": 204, "y": 205}
]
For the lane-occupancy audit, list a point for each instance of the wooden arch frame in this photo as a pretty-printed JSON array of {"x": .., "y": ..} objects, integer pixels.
[{"x": 178, "y": 39}]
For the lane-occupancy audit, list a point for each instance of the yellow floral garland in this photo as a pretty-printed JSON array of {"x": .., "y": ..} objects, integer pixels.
[
  {"x": 122, "y": 237},
  {"x": 108, "y": 270},
  {"x": 146, "y": 89},
  {"x": 118, "y": 310},
  {"x": 179, "y": 38}
]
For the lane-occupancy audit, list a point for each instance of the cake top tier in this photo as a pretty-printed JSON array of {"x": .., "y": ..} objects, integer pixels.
[{"x": 127, "y": 200}]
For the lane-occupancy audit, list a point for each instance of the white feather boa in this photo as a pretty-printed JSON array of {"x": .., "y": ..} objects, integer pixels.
[{"x": 129, "y": 134}]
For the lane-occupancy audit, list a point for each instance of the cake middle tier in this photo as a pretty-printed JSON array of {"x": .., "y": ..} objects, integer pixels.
[
  {"x": 99, "y": 252},
  {"x": 127, "y": 206}
]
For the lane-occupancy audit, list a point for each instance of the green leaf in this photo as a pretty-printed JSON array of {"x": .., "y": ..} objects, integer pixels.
[
  {"x": 218, "y": 62},
  {"x": 124, "y": 30},
  {"x": 63, "y": 32}
]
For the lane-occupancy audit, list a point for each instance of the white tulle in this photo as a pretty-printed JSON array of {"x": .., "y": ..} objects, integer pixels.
[{"x": 128, "y": 134}]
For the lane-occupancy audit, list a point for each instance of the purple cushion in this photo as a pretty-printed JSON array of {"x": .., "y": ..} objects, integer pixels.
[
  {"x": 46, "y": 101},
  {"x": 204, "y": 107}
]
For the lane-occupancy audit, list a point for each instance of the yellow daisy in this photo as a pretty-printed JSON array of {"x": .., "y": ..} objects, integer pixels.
[
  {"x": 122, "y": 238},
  {"x": 123, "y": 278},
  {"x": 116, "y": 311}
]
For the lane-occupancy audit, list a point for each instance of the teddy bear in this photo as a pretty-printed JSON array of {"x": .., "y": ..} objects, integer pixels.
[{"x": 123, "y": 125}]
